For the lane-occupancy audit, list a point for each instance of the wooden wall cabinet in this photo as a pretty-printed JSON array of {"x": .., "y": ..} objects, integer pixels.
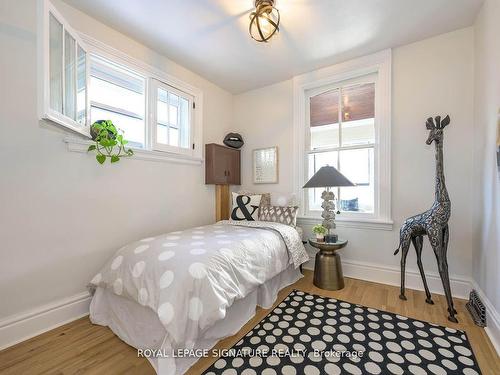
[
  {"x": 222, "y": 165},
  {"x": 222, "y": 168}
]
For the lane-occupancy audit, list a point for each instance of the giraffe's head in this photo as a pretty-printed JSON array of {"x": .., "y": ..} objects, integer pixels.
[{"x": 436, "y": 126}]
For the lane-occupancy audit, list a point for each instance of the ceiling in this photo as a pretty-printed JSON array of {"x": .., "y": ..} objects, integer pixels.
[{"x": 210, "y": 37}]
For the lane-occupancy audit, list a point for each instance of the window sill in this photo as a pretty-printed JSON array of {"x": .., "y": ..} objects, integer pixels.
[
  {"x": 361, "y": 223},
  {"x": 81, "y": 145}
]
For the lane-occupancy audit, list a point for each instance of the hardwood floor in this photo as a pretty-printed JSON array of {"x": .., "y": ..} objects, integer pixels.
[{"x": 82, "y": 348}]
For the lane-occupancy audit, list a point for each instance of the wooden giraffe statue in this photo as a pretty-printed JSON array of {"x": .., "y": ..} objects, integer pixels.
[{"x": 433, "y": 223}]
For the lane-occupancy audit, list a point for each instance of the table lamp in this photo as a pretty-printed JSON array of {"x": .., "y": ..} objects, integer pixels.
[{"x": 327, "y": 177}]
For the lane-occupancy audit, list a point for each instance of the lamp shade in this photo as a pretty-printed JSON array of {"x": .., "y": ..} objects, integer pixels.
[{"x": 327, "y": 176}]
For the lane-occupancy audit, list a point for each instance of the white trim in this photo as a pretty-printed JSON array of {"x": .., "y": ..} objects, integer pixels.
[
  {"x": 81, "y": 145},
  {"x": 379, "y": 63},
  {"x": 492, "y": 318},
  {"x": 20, "y": 327},
  {"x": 93, "y": 46},
  {"x": 154, "y": 86},
  {"x": 382, "y": 274},
  {"x": 44, "y": 9},
  {"x": 101, "y": 49},
  {"x": 64, "y": 123}
]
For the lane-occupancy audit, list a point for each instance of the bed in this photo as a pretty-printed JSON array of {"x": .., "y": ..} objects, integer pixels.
[{"x": 189, "y": 289}]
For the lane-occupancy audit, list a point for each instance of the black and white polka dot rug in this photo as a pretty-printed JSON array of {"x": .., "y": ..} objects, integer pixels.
[{"x": 312, "y": 335}]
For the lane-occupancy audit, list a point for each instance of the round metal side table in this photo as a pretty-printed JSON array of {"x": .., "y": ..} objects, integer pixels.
[{"x": 328, "y": 267}]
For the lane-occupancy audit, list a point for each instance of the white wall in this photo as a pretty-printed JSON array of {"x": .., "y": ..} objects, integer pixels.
[
  {"x": 431, "y": 77},
  {"x": 486, "y": 257},
  {"x": 62, "y": 215},
  {"x": 264, "y": 117}
]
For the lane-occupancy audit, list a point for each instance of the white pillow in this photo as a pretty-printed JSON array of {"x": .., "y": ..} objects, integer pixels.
[{"x": 245, "y": 207}]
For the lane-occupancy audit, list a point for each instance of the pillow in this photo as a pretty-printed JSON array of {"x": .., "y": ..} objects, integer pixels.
[
  {"x": 279, "y": 214},
  {"x": 245, "y": 207},
  {"x": 349, "y": 204},
  {"x": 265, "y": 199}
]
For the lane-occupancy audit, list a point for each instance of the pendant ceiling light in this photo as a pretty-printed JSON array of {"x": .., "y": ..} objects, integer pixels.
[{"x": 264, "y": 22}]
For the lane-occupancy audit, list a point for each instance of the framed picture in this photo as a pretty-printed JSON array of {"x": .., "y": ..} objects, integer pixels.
[{"x": 265, "y": 165}]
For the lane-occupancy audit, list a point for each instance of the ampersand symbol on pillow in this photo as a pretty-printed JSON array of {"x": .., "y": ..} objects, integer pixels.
[{"x": 242, "y": 207}]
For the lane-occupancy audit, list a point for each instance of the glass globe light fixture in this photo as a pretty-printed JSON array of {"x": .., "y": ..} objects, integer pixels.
[{"x": 264, "y": 21}]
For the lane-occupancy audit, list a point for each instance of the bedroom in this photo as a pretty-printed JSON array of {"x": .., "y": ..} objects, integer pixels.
[{"x": 65, "y": 215}]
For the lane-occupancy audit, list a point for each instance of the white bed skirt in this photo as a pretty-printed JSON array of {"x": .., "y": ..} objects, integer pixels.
[{"x": 140, "y": 327}]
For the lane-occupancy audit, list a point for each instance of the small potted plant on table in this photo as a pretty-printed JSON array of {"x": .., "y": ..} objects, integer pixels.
[{"x": 320, "y": 231}]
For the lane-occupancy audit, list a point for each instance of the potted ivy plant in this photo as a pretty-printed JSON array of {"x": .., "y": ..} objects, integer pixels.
[
  {"x": 108, "y": 142},
  {"x": 320, "y": 232}
]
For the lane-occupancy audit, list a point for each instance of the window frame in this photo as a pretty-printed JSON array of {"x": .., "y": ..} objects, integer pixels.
[
  {"x": 45, "y": 8},
  {"x": 193, "y": 154},
  {"x": 325, "y": 79},
  {"x": 151, "y": 73},
  {"x": 153, "y": 98},
  {"x": 118, "y": 110},
  {"x": 367, "y": 78}
]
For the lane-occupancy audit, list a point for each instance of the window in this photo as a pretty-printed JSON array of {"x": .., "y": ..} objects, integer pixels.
[
  {"x": 65, "y": 74},
  {"x": 342, "y": 134},
  {"x": 83, "y": 80},
  {"x": 118, "y": 94},
  {"x": 171, "y": 111},
  {"x": 342, "y": 118}
]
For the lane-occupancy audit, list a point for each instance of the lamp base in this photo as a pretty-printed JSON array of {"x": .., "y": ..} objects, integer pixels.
[{"x": 328, "y": 206}]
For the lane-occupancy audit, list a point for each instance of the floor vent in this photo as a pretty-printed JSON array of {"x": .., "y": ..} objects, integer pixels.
[{"x": 476, "y": 309}]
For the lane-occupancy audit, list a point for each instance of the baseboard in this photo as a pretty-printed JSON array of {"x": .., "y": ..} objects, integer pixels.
[
  {"x": 460, "y": 286},
  {"x": 492, "y": 318},
  {"x": 21, "y": 327}
]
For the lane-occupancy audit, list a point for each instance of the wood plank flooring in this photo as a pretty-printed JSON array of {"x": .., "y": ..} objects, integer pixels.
[{"x": 82, "y": 348}]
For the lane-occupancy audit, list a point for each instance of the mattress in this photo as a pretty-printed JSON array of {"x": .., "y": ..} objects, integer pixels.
[
  {"x": 190, "y": 278},
  {"x": 140, "y": 327}
]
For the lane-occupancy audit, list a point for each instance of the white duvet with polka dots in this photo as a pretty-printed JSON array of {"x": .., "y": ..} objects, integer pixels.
[{"x": 189, "y": 278}]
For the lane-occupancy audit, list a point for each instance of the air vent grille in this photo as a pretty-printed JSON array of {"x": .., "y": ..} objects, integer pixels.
[{"x": 476, "y": 309}]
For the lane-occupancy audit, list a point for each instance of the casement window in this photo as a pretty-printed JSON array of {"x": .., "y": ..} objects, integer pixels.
[
  {"x": 83, "y": 80},
  {"x": 63, "y": 72},
  {"x": 342, "y": 119},
  {"x": 172, "y": 113},
  {"x": 118, "y": 94}
]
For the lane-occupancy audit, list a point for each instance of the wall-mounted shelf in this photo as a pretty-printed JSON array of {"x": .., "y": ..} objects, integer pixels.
[{"x": 222, "y": 168}]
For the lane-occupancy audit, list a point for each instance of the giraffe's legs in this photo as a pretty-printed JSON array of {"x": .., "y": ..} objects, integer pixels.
[
  {"x": 439, "y": 246},
  {"x": 405, "y": 245},
  {"x": 418, "y": 243},
  {"x": 443, "y": 271},
  {"x": 446, "y": 237}
]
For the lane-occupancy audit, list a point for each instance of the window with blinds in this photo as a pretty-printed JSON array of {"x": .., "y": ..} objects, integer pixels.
[{"x": 342, "y": 134}]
